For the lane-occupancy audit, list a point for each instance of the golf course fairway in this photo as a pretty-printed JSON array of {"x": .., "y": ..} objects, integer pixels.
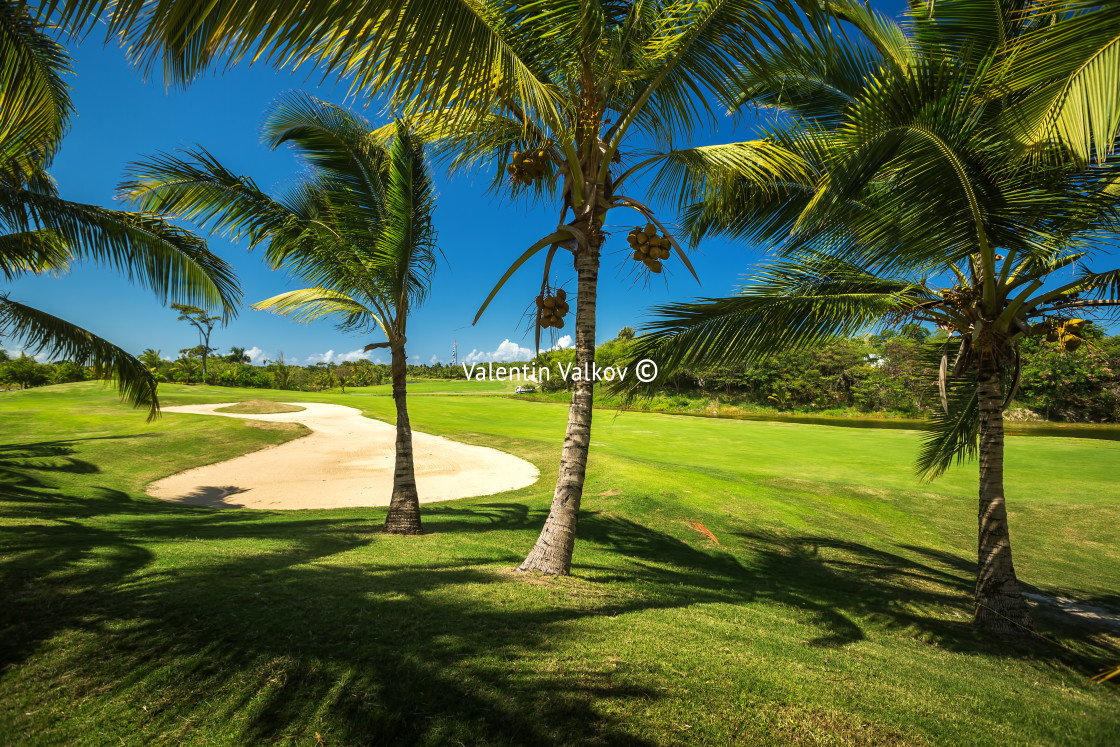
[{"x": 734, "y": 582}]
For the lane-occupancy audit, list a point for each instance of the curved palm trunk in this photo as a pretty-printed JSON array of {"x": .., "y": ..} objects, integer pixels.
[
  {"x": 553, "y": 552},
  {"x": 1000, "y": 606},
  {"x": 404, "y": 507}
]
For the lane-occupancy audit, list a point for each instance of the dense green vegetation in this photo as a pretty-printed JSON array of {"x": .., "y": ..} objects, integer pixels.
[
  {"x": 881, "y": 374},
  {"x": 886, "y": 374},
  {"x": 834, "y": 609}
]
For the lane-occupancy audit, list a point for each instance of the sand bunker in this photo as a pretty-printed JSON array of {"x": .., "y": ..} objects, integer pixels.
[{"x": 346, "y": 461}]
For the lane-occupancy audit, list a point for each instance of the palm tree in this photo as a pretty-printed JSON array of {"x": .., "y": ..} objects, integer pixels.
[
  {"x": 44, "y": 233},
  {"x": 152, "y": 360},
  {"x": 578, "y": 91},
  {"x": 238, "y": 355},
  {"x": 357, "y": 229},
  {"x": 900, "y": 187},
  {"x": 185, "y": 365}
]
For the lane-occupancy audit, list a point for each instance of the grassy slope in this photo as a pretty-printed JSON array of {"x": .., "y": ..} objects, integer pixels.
[{"x": 834, "y": 611}]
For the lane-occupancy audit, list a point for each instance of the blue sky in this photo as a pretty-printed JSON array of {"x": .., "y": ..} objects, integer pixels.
[{"x": 121, "y": 116}]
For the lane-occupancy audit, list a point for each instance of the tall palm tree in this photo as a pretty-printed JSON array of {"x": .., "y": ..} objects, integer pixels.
[
  {"x": 238, "y": 355},
  {"x": 357, "y": 229},
  {"x": 152, "y": 360},
  {"x": 900, "y": 186},
  {"x": 587, "y": 93},
  {"x": 185, "y": 366},
  {"x": 43, "y": 233}
]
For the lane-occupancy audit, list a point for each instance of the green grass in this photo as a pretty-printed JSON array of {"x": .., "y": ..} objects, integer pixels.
[
  {"x": 260, "y": 407},
  {"x": 833, "y": 611},
  {"x": 440, "y": 386}
]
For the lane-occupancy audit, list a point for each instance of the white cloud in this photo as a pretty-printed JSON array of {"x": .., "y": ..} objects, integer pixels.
[
  {"x": 254, "y": 353},
  {"x": 563, "y": 343},
  {"x": 350, "y": 357},
  {"x": 434, "y": 360},
  {"x": 507, "y": 351},
  {"x": 19, "y": 350},
  {"x": 353, "y": 355}
]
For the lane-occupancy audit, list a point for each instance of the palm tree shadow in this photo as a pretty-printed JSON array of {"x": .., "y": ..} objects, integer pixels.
[
  {"x": 479, "y": 517},
  {"x": 843, "y": 586},
  {"x": 405, "y": 650},
  {"x": 29, "y": 492},
  {"x": 394, "y": 653},
  {"x": 211, "y": 496}
]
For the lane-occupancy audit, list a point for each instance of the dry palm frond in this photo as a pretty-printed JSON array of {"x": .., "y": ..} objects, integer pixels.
[
  {"x": 1107, "y": 675},
  {"x": 703, "y": 530}
]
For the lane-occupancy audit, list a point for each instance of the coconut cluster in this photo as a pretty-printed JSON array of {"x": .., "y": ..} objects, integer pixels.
[
  {"x": 959, "y": 297},
  {"x": 553, "y": 309},
  {"x": 649, "y": 247},
  {"x": 1067, "y": 334},
  {"x": 528, "y": 166}
]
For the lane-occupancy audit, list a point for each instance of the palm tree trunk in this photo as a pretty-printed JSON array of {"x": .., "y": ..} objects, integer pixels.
[
  {"x": 1000, "y": 606},
  {"x": 553, "y": 552},
  {"x": 404, "y": 507}
]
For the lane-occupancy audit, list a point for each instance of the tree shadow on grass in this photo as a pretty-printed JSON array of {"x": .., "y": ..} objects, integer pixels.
[
  {"x": 258, "y": 632},
  {"x": 841, "y": 586},
  {"x": 27, "y": 490},
  {"x": 924, "y": 591},
  {"x": 478, "y": 517},
  {"x": 283, "y": 643},
  {"x": 176, "y": 615}
]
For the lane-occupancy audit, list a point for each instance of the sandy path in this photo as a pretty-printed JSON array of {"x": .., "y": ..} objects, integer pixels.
[{"x": 347, "y": 460}]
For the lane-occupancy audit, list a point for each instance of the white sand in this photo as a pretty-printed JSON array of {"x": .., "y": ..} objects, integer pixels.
[{"x": 347, "y": 460}]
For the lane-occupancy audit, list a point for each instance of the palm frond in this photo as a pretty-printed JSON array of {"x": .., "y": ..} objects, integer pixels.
[
  {"x": 407, "y": 246},
  {"x": 59, "y": 339},
  {"x": 35, "y": 106},
  {"x": 887, "y": 37},
  {"x": 422, "y": 53},
  {"x": 706, "y": 173},
  {"x": 1068, "y": 67},
  {"x": 144, "y": 247},
  {"x": 967, "y": 28},
  {"x": 951, "y": 437},
  {"x": 695, "y": 49},
  {"x": 788, "y": 304},
  {"x": 311, "y": 304},
  {"x": 337, "y": 144},
  {"x": 195, "y": 186},
  {"x": 33, "y": 251}
]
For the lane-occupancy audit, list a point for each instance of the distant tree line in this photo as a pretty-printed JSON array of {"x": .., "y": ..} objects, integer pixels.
[
  {"x": 886, "y": 372},
  {"x": 234, "y": 369},
  {"x": 889, "y": 372}
]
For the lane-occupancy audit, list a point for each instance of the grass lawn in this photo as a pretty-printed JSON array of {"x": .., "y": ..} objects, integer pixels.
[
  {"x": 441, "y": 386},
  {"x": 833, "y": 610}
]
